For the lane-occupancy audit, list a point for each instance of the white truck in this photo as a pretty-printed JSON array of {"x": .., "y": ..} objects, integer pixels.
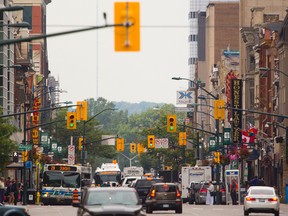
[
  {"x": 193, "y": 174},
  {"x": 133, "y": 171}
]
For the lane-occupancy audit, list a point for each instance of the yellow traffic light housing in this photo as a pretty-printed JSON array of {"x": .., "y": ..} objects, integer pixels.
[
  {"x": 80, "y": 143},
  {"x": 133, "y": 147},
  {"x": 151, "y": 141},
  {"x": 71, "y": 120},
  {"x": 219, "y": 109},
  {"x": 81, "y": 110},
  {"x": 216, "y": 158},
  {"x": 140, "y": 148},
  {"x": 182, "y": 139},
  {"x": 171, "y": 123},
  {"x": 24, "y": 156},
  {"x": 120, "y": 144},
  {"x": 127, "y": 36}
]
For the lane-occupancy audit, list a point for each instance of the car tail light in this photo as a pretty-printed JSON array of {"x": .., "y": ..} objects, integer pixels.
[
  {"x": 178, "y": 194},
  {"x": 250, "y": 199},
  {"x": 152, "y": 194},
  {"x": 273, "y": 199},
  {"x": 203, "y": 191},
  {"x": 222, "y": 190}
]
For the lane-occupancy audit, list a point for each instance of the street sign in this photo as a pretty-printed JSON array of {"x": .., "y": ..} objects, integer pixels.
[
  {"x": 161, "y": 143},
  {"x": 184, "y": 109},
  {"x": 71, "y": 154},
  {"x": 23, "y": 147},
  {"x": 28, "y": 164},
  {"x": 185, "y": 97}
]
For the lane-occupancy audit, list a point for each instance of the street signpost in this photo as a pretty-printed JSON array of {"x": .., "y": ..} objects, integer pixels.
[{"x": 23, "y": 147}]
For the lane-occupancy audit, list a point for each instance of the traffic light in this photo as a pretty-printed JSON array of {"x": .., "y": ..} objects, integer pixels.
[
  {"x": 151, "y": 141},
  {"x": 24, "y": 156},
  {"x": 127, "y": 35},
  {"x": 71, "y": 120},
  {"x": 120, "y": 144},
  {"x": 216, "y": 158},
  {"x": 219, "y": 109},
  {"x": 81, "y": 110},
  {"x": 132, "y": 147},
  {"x": 140, "y": 148},
  {"x": 171, "y": 123},
  {"x": 182, "y": 139},
  {"x": 15, "y": 157},
  {"x": 80, "y": 143}
]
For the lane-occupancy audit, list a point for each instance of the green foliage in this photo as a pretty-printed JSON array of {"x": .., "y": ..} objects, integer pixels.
[{"x": 8, "y": 146}]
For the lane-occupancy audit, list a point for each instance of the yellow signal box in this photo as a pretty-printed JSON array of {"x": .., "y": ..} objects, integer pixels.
[
  {"x": 219, "y": 109},
  {"x": 132, "y": 147},
  {"x": 82, "y": 110},
  {"x": 24, "y": 156},
  {"x": 216, "y": 158},
  {"x": 182, "y": 139},
  {"x": 127, "y": 37},
  {"x": 151, "y": 141},
  {"x": 120, "y": 144},
  {"x": 80, "y": 143},
  {"x": 71, "y": 120},
  {"x": 171, "y": 123}
]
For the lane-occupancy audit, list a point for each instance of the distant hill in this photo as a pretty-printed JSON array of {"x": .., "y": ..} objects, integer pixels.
[{"x": 136, "y": 107}]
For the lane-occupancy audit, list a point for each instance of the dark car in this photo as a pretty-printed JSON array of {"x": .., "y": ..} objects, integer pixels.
[
  {"x": 11, "y": 210},
  {"x": 164, "y": 196},
  {"x": 143, "y": 186},
  {"x": 109, "y": 201}
]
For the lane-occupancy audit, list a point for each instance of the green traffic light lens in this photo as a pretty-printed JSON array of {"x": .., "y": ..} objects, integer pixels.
[
  {"x": 171, "y": 127},
  {"x": 71, "y": 125}
]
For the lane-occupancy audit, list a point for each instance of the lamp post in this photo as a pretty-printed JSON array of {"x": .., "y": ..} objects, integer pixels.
[
  {"x": 218, "y": 198},
  {"x": 84, "y": 131}
]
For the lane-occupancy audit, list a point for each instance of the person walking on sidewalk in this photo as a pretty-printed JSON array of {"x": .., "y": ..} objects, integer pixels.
[
  {"x": 2, "y": 189},
  {"x": 209, "y": 197},
  {"x": 233, "y": 191}
]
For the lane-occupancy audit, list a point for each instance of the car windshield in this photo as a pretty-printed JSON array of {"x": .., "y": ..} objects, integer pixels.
[
  {"x": 146, "y": 183},
  {"x": 165, "y": 188},
  {"x": 261, "y": 192},
  {"x": 112, "y": 197}
]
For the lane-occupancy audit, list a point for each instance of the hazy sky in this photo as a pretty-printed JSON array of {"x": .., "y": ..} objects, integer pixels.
[{"x": 87, "y": 66}]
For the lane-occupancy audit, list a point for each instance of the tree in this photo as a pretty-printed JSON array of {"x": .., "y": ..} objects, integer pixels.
[{"x": 8, "y": 146}]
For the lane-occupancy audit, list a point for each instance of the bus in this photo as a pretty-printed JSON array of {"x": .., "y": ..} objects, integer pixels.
[
  {"x": 108, "y": 174},
  {"x": 60, "y": 180}
]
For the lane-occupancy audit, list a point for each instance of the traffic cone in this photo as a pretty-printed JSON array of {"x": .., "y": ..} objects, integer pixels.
[{"x": 75, "y": 196}]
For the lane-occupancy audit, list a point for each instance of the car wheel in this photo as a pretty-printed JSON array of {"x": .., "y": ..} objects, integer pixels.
[
  {"x": 179, "y": 210},
  {"x": 149, "y": 210},
  {"x": 246, "y": 213},
  {"x": 276, "y": 213}
]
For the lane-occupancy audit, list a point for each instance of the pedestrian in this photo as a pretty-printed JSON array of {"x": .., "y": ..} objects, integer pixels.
[
  {"x": 209, "y": 197},
  {"x": 233, "y": 191},
  {"x": 254, "y": 181},
  {"x": 261, "y": 181},
  {"x": 15, "y": 188},
  {"x": 2, "y": 189}
]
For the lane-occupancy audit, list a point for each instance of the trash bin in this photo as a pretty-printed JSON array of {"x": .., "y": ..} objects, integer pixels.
[
  {"x": 286, "y": 193},
  {"x": 31, "y": 196}
]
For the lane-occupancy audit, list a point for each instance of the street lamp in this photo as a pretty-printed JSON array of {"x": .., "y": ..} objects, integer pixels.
[
  {"x": 84, "y": 131},
  {"x": 273, "y": 69},
  {"x": 218, "y": 198}
]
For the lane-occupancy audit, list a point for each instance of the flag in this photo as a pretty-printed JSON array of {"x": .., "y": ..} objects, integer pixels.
[{"x": 249, "y": 135}]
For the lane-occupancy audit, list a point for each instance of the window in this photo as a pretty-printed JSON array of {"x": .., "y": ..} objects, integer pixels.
[
  {"x": 192, "y": 61},
  {"x": 193, "y": 15},
  {"x": 193, "y": 38}
]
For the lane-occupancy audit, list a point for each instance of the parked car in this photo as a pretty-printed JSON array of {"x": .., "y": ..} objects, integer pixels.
[
  {"x": 261, "y": 199},
  {"x": 201, "y": 194},
  {"x": 12, "y": 210},
  {"x": 164, "y": 196},
  {"x": 143, "y": 186},
  {"x": 109, "y": 201}
]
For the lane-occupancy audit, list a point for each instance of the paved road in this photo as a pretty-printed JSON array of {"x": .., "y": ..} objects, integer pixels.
[{"x": 188, "y": 210}]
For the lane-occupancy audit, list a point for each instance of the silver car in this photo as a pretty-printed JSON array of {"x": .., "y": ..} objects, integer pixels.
[{"x": 261, "y": 199}]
